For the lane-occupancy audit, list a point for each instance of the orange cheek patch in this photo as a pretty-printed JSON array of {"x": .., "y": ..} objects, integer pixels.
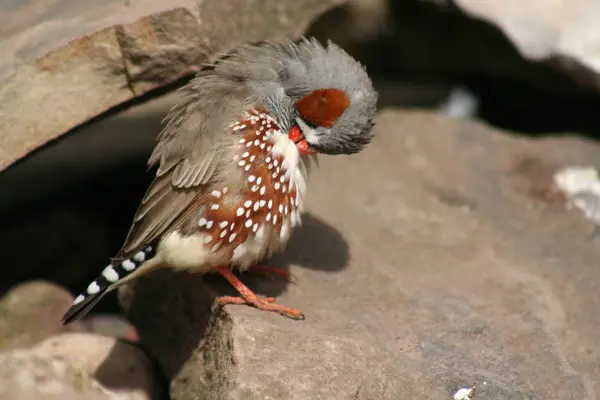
[{"x": 322, "y": 107}]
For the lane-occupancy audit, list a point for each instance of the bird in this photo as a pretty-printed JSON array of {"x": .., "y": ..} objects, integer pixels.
[{"x": 232, "y": 162}]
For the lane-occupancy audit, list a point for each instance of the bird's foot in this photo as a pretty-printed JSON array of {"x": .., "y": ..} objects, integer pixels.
[
  {"x": 250, "y": 298},
  {"x": 271, "y": 272}
]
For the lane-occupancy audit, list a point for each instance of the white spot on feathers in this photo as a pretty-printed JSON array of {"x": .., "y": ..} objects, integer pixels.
[
  {"x": 93, "y": 288},
  {"x": 140, "y": 256},
  {"x": 110, "y": 274},
  {"x": 128, "y": 265}
]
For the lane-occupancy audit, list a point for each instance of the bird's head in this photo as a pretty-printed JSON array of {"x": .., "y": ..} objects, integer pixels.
[{"x": 321, "y": 94}]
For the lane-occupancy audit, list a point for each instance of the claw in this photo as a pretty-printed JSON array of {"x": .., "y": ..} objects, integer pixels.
[{"x": 250, "y": 298}]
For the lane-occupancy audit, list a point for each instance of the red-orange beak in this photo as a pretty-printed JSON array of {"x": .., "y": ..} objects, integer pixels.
[{"x": 302, "y": 145}]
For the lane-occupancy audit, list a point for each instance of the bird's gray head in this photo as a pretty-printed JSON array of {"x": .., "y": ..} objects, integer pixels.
[{"x": 322, "y": 95}]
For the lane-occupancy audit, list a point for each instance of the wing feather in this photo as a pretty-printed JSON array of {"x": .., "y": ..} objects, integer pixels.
[{"x": 189, "y": 154}]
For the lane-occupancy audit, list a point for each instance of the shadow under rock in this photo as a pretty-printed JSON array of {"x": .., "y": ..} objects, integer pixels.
[{"x": 171, "y": 310}]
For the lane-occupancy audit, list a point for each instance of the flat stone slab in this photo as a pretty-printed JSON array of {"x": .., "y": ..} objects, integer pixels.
[
  {"x": 440, "y": 257},
  {"x": 63, "y": 63}
]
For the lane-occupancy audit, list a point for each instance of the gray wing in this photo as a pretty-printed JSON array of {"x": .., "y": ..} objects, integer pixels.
[{"x": 189, "y": 153}]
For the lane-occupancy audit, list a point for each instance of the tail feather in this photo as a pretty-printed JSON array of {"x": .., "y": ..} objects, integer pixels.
[{"x": 110, "y": 278}]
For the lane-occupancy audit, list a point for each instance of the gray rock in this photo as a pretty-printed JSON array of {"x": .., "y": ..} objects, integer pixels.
[
  {"x": 64, "y": 64},
  {"x": 439, "y": 258},
  {"x": 77, "y": 366},
  {"x": 31, "y": 312}
]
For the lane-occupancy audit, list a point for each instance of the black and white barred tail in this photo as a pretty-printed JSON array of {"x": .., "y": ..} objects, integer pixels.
[{"x": 106, "y": 281}]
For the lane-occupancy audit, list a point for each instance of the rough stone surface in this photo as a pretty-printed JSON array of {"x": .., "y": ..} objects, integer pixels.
[
  {"x": 63, "y": 64},
  {"x": 439, "y": 258},
  {"x": 77, "y": 366},
  {"x": 31, "y": 312}
]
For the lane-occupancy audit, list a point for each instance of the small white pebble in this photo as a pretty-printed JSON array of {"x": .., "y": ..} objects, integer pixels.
[{"x": 464, "y": 394}]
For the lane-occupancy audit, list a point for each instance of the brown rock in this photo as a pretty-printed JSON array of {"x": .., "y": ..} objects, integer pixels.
[
  {"x": 459, "y": 273},
  {"x": 77, "y": 366},
  {"x": 65, "y": 64},
  {"x": 31, "y": 312}
]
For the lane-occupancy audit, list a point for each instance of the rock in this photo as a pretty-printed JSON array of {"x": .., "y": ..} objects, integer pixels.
[
  {"x": 435, "y": 260},
  {"x": 109, "y": 325},
  {"x": 77, "y": 366},
  {"x": 31, "y": 312},
  {"x": 564, "y": 33},
  {"x": 63, "y": 65}
]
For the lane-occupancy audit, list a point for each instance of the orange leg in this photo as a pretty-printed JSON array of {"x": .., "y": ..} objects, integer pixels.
[
  {"x": 250, "y": 298},
  {"x": 271, "y": 272}
]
